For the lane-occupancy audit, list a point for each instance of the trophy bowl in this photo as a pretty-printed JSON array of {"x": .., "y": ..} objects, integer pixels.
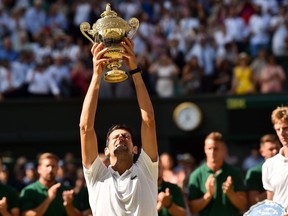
[{"x": 111, "y": 29}]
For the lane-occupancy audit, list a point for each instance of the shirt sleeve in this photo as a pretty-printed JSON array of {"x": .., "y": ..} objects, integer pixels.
[
  {"x": 265, "y": 178},
  {"x": 149, "y": 167},
  {"x": 95, "y": 172},
  {"x": 194, "y": 186},
  {"x": 26, "y": 202}
]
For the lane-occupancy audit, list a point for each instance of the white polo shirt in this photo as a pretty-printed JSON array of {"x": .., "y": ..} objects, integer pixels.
[
  {"x": 133, "y": 193},
  {"x": 275, "y": 177}
]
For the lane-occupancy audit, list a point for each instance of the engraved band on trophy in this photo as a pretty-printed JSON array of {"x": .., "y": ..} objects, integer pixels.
[{"x": 111, "y": 29}]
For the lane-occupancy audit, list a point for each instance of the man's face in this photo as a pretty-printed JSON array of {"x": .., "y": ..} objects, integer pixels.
[
  {"x": 120, "y": 141},
  {"x": 269, "y": 149},
  {"x": 215, "y": 151},
  {"x": 281, "y": 129},
  {"x": 48, "y": 169}
]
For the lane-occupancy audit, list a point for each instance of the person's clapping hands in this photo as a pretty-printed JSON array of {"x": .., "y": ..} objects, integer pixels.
[
  {"x": 68, "y": 197},
  {"x": 3, "y": 205},
  {"x": 163, "y": 199}
]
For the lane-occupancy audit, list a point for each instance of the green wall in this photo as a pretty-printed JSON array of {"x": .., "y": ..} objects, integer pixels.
[{"x": 29, "y": 127}]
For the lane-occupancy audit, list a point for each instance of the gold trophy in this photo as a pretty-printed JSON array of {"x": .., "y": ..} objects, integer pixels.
[{"x": 111, "y": 29}]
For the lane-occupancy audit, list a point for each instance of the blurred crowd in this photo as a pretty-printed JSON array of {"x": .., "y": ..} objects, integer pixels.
[
  {"x": 183, "y": 46},
  {"x": 22, "y": 171}
]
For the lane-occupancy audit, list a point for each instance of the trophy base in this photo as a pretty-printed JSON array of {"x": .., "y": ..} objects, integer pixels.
[{"x": 115, "y": 76}]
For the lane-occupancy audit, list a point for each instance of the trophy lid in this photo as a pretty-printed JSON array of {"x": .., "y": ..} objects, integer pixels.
[{"x": 110, "y": 20}]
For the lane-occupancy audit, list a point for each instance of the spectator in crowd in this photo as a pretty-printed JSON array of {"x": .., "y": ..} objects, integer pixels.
[
  {"x": 165, "y": 73},
  {"x": 170, "y": 197},
  {"x": 70, "y": 51},
  {"x": 273, "y": 170},
  {"x": 146, "y": 29},
  {"x": 5, "y": 175},
  {"x": 236, "y": 28},
  {"x": 19, "y": 171},
  {"x": 253, "y": 159},
  {"x": 222, "y": 78},
  {"x": 257, "y": 64},
  {"x": 5, "y": 22},
  {"x": 176, "y": 53},
  {"x": 269, "y": 147},
  {"x": 56, "y": 20},
  {"x": 279, "y": 32},
  {"x": 242, "y": 77},
  {"x": 186, "y": 164},
  {"x": 70, "y": 169},
  {"x": 268, "y": 7},
  {"x": 35, "y": 19},
  {"x": 5, "y": 78},
  {"x": 192, "y": 77},
  {"x": 168, "y": 172},
  {"x": 9, "y": 198},
  {"x": 259, "y": 30},
  {"x": 41, "y": 83},
  {"x": 60, "y": 72},
  {"x": 221, "y": 37},
  {"x": 46, "y": 196},
  {"x": 206, "y": 55},
  {"x": 144, "y": 62},
  {"x": 189, "y": 24},
  {"x": 129, "y": 8},
  {"x": 30, "y": 176},
  {"x": 7, "y": 51},
  {"x": 19, "y": 70},
  {"x": 216, "y": 186},
  {"x": 158, "y": 43},
  {"x": 80, "y": 79},
  {"x": 80, "y": 11},
  {"x": 272, "y": 77},
  {"x": 81, "y": 193},
  {"x": 18, "y": 34}
]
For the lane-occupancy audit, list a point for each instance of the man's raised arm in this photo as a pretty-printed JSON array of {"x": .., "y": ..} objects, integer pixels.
[
  {"x": 89, "y": 143},
  {"x": 148, "y": 126}
]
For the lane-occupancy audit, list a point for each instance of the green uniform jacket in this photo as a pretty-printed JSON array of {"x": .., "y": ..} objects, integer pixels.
[
  {"x": 176, "y": 196},
  {"x": 34, "y": 194},
  {"x": 253, "y": 179},
  {"x": 12, "y": 196},
  {"x": 219, "y": 204}
]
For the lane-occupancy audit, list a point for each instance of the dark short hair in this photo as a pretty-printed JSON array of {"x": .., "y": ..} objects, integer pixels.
[
  {"x": 268, "y": 138},
  {"x": 120, "y": 126}
]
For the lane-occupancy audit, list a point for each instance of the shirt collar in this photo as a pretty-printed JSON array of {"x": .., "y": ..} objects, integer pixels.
[
  {"x": 207, "y": 169},
  {"x": 281, "y": 155},
  {"x": 116, "y": 174}
]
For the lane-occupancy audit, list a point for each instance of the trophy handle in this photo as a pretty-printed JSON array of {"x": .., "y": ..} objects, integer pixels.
[
  {"x": 85, "y": 26},
  {"x": 134, "y": 24}
]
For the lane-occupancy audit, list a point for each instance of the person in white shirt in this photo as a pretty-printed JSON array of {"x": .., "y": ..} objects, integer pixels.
[
  {"x": 259, "y": 31},
  {"x": 274, "y": 170},
  {"x": 41, "y": 83},
  {"x": 279, "y": 29},
  {"x": 124, "y": 187}
]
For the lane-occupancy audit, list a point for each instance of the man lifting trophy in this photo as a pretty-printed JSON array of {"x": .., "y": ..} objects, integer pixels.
[{"x": 111, "y": 29}]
